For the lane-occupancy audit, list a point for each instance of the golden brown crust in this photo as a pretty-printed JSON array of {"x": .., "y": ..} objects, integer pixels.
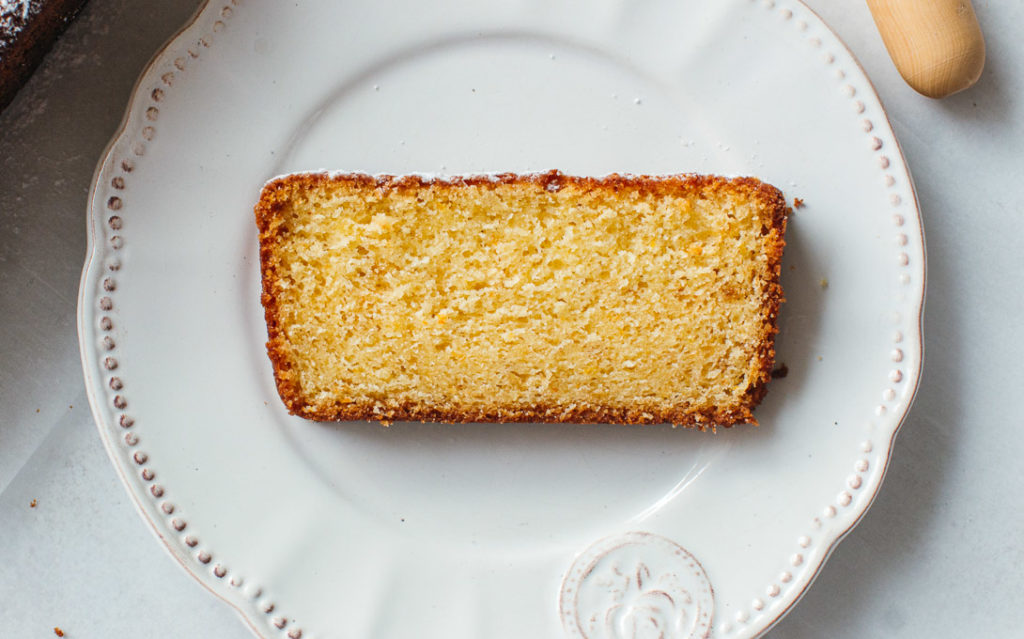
[
  {"x": 268, "y": 219},
  {"x": 766, "y": 349}
]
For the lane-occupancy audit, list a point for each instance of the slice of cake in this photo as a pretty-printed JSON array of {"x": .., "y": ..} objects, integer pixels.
[{"x": 528, "y": 298}]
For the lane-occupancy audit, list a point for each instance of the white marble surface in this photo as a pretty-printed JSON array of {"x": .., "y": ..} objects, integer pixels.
[{"x": 940, "y": 554}]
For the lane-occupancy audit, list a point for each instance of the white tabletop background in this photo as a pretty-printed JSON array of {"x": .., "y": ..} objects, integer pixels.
[{"x": 940, "y": 554}]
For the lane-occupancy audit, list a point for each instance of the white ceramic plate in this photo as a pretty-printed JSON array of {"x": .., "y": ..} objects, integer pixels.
[{"x": 354, "y": 530}]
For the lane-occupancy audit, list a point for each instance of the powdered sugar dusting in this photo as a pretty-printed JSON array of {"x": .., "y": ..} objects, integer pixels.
[
  {"x": 443, "y": 176},
  {"x": 13, "y": 16},
  {"x": 14, "y": 7}
]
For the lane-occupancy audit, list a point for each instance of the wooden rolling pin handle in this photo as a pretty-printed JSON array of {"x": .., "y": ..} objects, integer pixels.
[{"x": 937, "y": 45}]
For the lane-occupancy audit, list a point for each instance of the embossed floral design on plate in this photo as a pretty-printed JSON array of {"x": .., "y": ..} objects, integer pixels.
[
  {"x": 636, "y": 586},
  {"x": 313, "y": 530}
]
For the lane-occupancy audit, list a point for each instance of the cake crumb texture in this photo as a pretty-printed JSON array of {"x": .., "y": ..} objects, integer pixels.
[{"x": 535, "y": 298}]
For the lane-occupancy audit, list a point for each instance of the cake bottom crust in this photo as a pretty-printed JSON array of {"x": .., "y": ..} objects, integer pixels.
[{"x": 701, "y": 419}]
